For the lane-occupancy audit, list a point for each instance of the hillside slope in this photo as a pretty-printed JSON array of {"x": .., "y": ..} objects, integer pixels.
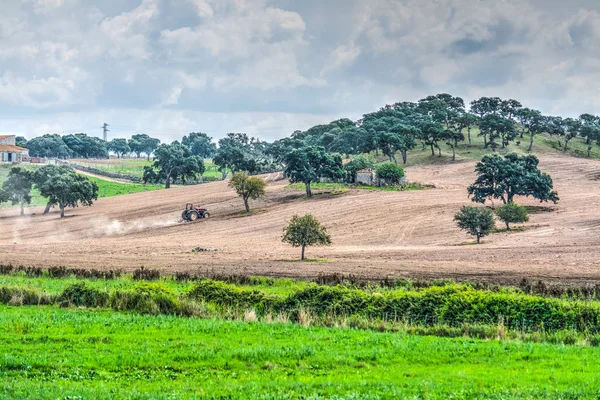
[{"x": 375, "y": 233}]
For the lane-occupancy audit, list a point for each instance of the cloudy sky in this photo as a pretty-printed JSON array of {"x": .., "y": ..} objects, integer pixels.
[{"x": 269, "y": 67}]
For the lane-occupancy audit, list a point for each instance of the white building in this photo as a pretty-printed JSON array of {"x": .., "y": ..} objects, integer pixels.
[{"x": 10, "y": 152}]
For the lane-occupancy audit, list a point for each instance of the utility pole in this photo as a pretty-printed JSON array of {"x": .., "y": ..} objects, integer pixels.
[{"x": 105, "y": 130}]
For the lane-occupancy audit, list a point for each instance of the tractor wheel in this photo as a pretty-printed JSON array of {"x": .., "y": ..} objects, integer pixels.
[
  {"x": 206, "y": 215},
  {"x": 193, "y": 216},
  {"x": 184, "y": 216}
]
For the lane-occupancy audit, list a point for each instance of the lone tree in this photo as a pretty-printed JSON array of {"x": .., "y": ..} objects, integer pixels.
[
  {"x": 17, "y": 188},
  {"x": 70, "y": 190},
  {"x": 308, "y": 164},
  {"x": 504, "y": 178},
  {"x": 248, "y": 187},
  {"x": 390, "y": 172},
  {"x": 512, "y": 213},
  {"x": 305, "y": 231},
  {"x": 477, "y": 221}
]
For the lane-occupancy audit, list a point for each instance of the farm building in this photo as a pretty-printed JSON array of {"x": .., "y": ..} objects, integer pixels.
[
  {"x": 10, "y": 152},
  {"x": 365, "y": 177}
]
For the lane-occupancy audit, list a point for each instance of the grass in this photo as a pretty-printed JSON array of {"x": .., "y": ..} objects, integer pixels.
[
  {"x": 135, "y": 166},
  {"x": 105, "y": 188},
  {"x": 51, "y": 353},
  {"x": 340, "y": 188}
]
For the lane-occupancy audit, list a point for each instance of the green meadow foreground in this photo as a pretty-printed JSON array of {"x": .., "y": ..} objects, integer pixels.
[{"x": 120, "y": 336}]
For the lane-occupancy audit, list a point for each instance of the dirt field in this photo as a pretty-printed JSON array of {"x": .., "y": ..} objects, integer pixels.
[{"x": 375, "y": 233}]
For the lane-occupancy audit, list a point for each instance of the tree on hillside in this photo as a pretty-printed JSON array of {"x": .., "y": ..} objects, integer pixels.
[
  {"x": 532, "y": 123},
  {"x": 513, "y": 175},
  {"x": 486, "y": 106},
  {"x": 248, "y": 187},
  {"x": 200, "y": 144},
  {"x": 466, "y": 121},
  {"x": 510, "y": 213},
  {"x": 510, "y": 108},
  {"x": 454, "y": 136},
  {"x": 432, "y": 133},
  {"x": 304, "y": 232},
  {"x": 476, "y": 221},
  {"x": 309, "y": 164},
  {"x": 119, "y": 147},
  {"x": 571, "y": 131},
  {"x": 70, "y": 190},
  {"x": 234, "y": 159},
  {"x": 172, "y": 161},
  {"x": 17, "y": 187},
  {"x": 42, "y": 178},
  {"x": 50, "y": 146},
  {"x": 494, "y": 126}
]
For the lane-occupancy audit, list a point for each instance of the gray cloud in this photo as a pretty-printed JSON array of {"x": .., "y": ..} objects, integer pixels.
[{"x": 272, "y": 66}]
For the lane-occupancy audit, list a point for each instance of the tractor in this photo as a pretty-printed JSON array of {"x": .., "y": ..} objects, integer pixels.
[{"x": 192, "y": 213}]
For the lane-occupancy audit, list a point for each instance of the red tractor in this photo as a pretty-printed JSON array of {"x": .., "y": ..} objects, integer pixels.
[{"x": 192, "y": 213}]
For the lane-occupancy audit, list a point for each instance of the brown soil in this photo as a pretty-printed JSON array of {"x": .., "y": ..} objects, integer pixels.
[{"x": 375, "y": 233}]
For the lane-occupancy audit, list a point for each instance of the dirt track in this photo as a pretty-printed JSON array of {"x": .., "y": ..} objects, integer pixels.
[{"x": 376, "y": 234}]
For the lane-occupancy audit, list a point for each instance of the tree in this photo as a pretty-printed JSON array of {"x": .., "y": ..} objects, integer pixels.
[
  {"x": 512, "y": 213},
  {"x": 467, "y": 121},
  {"x": 200, "y": 144},
  {"x": 390, "y": 172},
  {"x": 84, "y": 146},
  {"x": 431, "y": 134},
  {"x": 17, "y": 187},
  {"x": 70, "y": 190},
  {"x": 505, "y": 178},
  {"x": 453, "y": 138},
  {"x": 496, "y": 126},
  {"x": 119, "y": 147},
  {"x": 51, "y": 146},
  {"x": 304, "y": 232},
  {"x": 235, "y": 159},
  {"x": 248, "y": 187},
  {"x": 173, "y": 161},
  {"x": 42, "y": 178},
  {"x": 308, "y": 164},
  {"x": 143, "y": 143},
  {"x": 476, "y": 221},
  {"x": 21, "y": 141},
  {"x": 486, "y": 105}
]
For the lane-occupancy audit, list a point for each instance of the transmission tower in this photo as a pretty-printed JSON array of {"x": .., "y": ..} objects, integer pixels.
[{"x": 105, "y": 131}]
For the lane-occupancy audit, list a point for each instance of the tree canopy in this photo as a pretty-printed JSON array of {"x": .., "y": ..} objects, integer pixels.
[
  {"x": 309, "y": 164},
  {"x": 304, "y": 232},
  {"x": 64, "y": 187},
  {"x": 248, "y": 187},
  {"x": 513, "y": 175},
  {"x": 119, "y": 147},
  {"x": 17, "y": 187},
  {"x": 476, "y": 221},
  {"x": 173, "y": 161}
]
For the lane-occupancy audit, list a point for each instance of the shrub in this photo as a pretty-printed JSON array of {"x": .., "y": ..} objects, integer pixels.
[
  {"x": 355, "y": 165},
  {"x": 390, "y": 172},
  {"x": 81, "y": 295},
  {"x": 512, "y": 213},
  {"x": 224, "y": 295},
  {"x": 21, "y": 296},
  {"x": 147, "y": 298}
]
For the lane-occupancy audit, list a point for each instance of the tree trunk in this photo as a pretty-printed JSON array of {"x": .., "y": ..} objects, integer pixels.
[
  {"x": 530, "y": 143},
  {"x": 589, "y": 149},
  {"x": 566, "y": 144},
  {"x": 453, "y": 154},
  {"x": 308, "y": 191},
  {"x": 469, "y": 134},
  {"x": 48, "y": 205},
  {"x": 62, "y": 210},
  {"x": 246, "y": 204},
  {"x": 485, "y": 143},
  {"x": 432, "y": 151},
  {"x": 507, "y": 227},
  {"x": 22, "y": 208},
  {"x": 478, "y": 238},
  {"x": 302, "y": 258},
  {"x": 403, "y": 152},
  {"x": 439, "y": 150},
  {"x": 168, "y": 182}
]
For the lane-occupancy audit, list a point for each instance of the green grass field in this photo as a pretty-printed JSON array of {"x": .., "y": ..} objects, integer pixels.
[
  {"x": 135, "y": 166},
  {"x": 105, "y": 188},
  {"x": 53, "y": 353}
]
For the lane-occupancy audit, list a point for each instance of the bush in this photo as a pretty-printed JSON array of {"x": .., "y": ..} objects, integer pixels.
[
  {"x": 355, "y": 165},
  {"x": 390, "y": 172},
  {"x": 224, "y": 295},
  {"x": 512, "y": 213},
  {"x": 21, "y": 296},
  {"x": 147, "y": 298},
  {"x": 80, "y": 295}
]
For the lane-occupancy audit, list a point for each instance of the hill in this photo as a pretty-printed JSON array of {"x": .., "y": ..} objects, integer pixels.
[{"x": 375, "y": 233}]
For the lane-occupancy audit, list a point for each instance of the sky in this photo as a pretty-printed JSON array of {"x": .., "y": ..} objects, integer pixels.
[{"x": 270, "y": 67}]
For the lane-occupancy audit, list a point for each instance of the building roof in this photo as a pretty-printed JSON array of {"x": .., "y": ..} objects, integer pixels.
[
  {"x": 5, "y": 136},
  {"x": 365, "y": 171},
  {"x": 7, "y": 148}
]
